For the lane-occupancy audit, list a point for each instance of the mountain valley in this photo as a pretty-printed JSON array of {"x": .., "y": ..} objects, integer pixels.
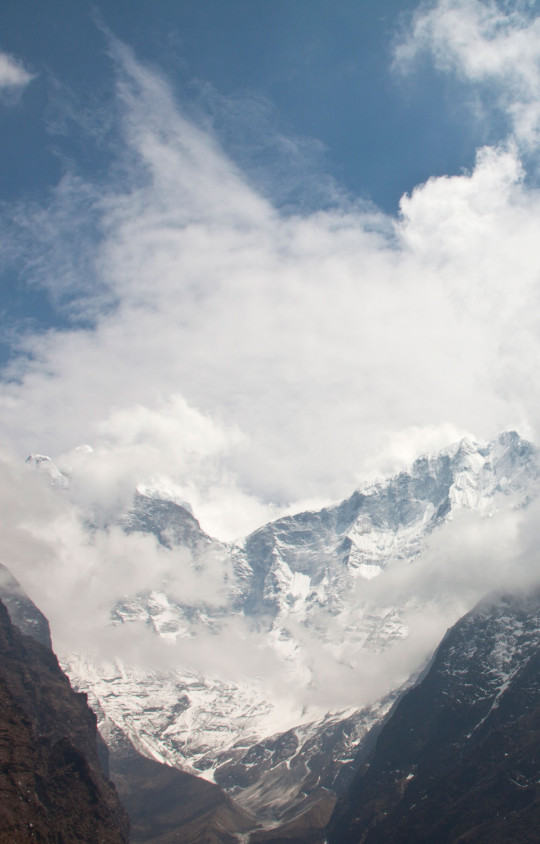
[{"x": 325, "y": 613}]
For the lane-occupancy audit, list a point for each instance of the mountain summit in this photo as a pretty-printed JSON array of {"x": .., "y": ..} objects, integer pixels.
[{"x": 317, "y": 596}]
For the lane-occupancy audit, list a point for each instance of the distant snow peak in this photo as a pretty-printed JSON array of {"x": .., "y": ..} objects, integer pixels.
[
  {"x": 164, "y": 491},
  {"x": 44, "y": 464}
]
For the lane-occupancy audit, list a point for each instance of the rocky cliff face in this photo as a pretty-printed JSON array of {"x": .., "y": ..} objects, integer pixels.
[
  {"x": 459, "y": 759},
  {"x": 52, "y": 788}
]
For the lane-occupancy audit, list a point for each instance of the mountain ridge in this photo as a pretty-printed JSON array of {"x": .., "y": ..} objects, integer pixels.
[{"x": 300, "y": 586}]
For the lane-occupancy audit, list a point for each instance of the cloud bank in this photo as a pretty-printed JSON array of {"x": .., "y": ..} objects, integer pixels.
[
  {"x": 249, "y": 360},
  {"x": 264, "y": 358}
]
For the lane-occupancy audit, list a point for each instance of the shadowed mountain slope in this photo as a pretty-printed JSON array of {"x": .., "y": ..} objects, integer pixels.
[
  {"x": 459, "y": 760},
  {"x": 52, "y": 788},
  {"x": 166, "y": 805}
]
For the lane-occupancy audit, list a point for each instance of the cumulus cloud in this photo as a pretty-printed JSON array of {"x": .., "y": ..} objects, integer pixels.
[
  {"x": 13, "y": 76},
  {"x": 309, "y": 349},
  {"x": 496, "y": 46},
  {"x": 140, "y": 443}
]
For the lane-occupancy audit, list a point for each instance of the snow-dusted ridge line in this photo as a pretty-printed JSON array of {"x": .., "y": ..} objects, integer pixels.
[{"x": 298, "y": 590}]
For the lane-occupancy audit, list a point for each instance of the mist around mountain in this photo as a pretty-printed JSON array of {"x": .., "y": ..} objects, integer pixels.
[
  {"x": 264, "y": 665},
  {"x": 267, "y": 666}
]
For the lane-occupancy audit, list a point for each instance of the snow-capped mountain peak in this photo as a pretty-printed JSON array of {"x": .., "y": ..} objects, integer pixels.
[{"x": 297, "y": 590}]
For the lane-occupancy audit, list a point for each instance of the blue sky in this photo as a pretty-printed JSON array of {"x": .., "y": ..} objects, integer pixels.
[
  {"x": 313, "y": 70},
  {"x": 255, "y": 252}
]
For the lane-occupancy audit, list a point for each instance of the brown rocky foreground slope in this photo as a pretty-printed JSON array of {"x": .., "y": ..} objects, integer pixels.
[{"x": 52, "y": 786}]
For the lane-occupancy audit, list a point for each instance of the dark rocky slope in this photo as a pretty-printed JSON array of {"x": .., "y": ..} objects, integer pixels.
[
  {"x": 52, "y": 787},
  {"x": 166, "y": 805},
  {"x": 459, "y": 760}
]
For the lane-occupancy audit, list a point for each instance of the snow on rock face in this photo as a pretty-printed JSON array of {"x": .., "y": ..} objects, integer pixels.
[
  {"x": 388, "y": 521},
  {"x": 229, "y": 734},
  {"x": 174, "y": 717},
  {"x": 298, "y": 583},
  {"x": 491, "y": 644},
  {"x": 44, "y": 464},
  {"x": 381, "y": 525}
]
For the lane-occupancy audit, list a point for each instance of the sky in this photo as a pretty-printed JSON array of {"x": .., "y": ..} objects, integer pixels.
[{"x": 253, "y": 253}]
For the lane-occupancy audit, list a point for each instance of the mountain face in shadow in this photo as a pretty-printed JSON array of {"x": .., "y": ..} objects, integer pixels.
[
  {"x": 52, "y": 787},
  {"x": 166, "y": 805},
  {"x": 459, "y": 760}
]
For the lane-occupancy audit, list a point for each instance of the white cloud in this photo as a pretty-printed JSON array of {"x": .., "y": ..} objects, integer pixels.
[
  {"x": 246, "y": 359},
  {"x": 170, "y": 441},
  {"x": 497, "y": 47},
  {"x": 13, "y": 76},
  {"x": 251, "y": 359}
]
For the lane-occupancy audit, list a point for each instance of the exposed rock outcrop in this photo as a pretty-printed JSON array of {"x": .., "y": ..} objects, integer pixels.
[{"x": 52, "y": 787}]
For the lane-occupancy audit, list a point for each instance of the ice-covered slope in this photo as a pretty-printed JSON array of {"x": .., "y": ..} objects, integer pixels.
[
  {"x": 306, "y": 559},
  {"x": 296, "y": 592},
  {"x": 261, "y": 750}
]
